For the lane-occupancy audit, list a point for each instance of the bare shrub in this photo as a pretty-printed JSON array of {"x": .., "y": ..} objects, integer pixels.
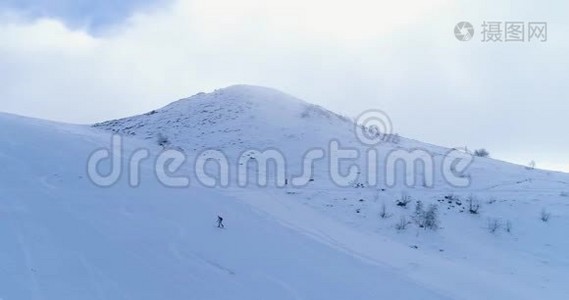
[
  {"x": 404, "y": 200},
  {"x": 432, "y": 217},
  {"x": 428, "y": 218},
  {"x": 402, "y": 224},
  {"x": 531, "y": 165},
  {"x": 481, "y": 153},
  {"x": 493, "y": 225},
  {"x": 508, "y": 226},
  {"x": 451, "y": 197},
  {"x": 545, "y": 215},
  {"x": 473, "y": 205},
  {"x": 383, "y": 212},
  {"x": 419, "y": 216},
  {"x": 162, "y": 140}
]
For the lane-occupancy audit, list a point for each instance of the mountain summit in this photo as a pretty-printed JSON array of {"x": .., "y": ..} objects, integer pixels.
[{"x": 236, "y": 116}]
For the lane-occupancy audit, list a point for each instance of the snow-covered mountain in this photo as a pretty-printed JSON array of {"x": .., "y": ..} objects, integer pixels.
[
  {"x": 67, "y": 238},
  {"x": 240, "y": 118},
  {"x": 237, "y": 118}
]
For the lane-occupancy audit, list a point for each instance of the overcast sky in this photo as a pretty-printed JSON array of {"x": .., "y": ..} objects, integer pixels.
[{"x": 87, "y": 61}]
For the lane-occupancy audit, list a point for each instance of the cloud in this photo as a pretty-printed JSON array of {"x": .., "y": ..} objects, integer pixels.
[
  {"x": 93, "y": 16},
  {"x": 398, "y": 56}
]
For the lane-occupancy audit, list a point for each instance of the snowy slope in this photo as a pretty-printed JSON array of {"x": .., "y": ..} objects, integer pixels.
[
  {"x": 65, "y": 238},
  {"x": 462, "y": 258}
]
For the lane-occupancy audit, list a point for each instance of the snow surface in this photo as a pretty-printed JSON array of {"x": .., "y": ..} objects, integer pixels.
[{"x": 66, "y": 238}]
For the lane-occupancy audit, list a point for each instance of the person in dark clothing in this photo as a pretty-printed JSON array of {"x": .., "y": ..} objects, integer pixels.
[{"x": 220, "y": 222}]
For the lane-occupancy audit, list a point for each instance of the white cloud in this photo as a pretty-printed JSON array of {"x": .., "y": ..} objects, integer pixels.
[{"x": 397, "y": 55}]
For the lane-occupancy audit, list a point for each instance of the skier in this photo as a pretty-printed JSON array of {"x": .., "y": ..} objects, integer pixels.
[{"x": 220, "y": 222}]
